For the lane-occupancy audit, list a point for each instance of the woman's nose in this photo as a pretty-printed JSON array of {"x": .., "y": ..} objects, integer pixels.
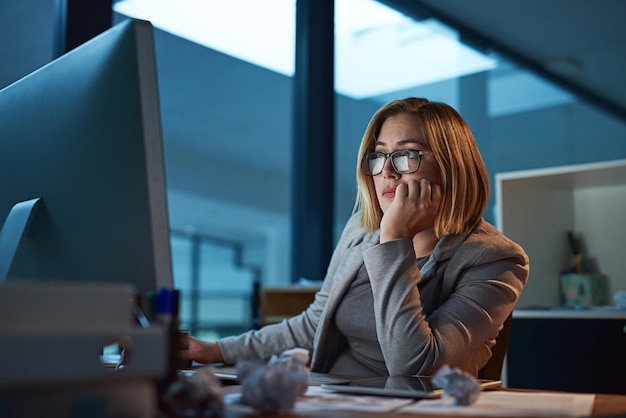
[{"x": 388, "y": 170}]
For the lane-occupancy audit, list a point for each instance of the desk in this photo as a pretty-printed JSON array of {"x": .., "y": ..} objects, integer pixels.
[
  {"x": 138, "y": 399},
  {"x": 605, "y": 405}
]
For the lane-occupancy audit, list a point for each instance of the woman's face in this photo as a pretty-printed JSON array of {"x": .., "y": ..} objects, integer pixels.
[{"x": 400, "y": 132}]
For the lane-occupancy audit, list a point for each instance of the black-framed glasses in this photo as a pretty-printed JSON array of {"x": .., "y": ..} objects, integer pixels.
[{"x": 404, "y": 161}]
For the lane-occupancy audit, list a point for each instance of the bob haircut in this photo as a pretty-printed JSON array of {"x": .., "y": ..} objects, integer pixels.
[{"x": 464, "y": 179}]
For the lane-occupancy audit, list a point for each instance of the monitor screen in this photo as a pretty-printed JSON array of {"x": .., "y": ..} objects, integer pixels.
[{"x": 83, "y": 135}]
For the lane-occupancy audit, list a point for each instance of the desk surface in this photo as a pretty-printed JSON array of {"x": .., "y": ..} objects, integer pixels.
[
  {"x": 138, "y": 398},
  {"x": 605, "y": 405}
]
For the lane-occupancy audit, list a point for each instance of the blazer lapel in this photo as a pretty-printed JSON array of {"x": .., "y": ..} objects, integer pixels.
[
  {"x": 326, "y": 335},
  {"x": 345, "y": 274}
]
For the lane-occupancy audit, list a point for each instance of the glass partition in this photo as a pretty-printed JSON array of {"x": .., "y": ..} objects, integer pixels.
[
  {"x": 227, "y": 116},
  {"x": 520, "y": 120}
]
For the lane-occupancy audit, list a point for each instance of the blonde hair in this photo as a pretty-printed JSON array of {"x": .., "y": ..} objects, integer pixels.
[{"x": 464, "y": 178}]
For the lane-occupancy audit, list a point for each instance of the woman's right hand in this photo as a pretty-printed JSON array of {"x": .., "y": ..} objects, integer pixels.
[
  {"x": 192, "y": 349},
  {"x": 412, "y": 211}
]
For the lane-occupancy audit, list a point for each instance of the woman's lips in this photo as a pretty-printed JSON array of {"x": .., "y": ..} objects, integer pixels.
[{"x": 389, "y": 192}]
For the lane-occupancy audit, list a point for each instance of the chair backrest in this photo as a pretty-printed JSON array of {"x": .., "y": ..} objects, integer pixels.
[{"x": 493, "y": 369}]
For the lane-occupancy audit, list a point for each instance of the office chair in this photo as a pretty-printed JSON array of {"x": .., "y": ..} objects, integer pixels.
[{"x": 493, "y": 369}]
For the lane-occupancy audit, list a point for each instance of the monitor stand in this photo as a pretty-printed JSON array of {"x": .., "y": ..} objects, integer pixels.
[{"x": 13, "y": 231}]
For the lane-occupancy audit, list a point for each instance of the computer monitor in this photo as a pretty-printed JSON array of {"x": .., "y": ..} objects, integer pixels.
[{"x": 83, "y": 135}]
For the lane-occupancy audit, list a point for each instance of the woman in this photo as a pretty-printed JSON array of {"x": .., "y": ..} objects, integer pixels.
[{"x": 418, "y": 278}]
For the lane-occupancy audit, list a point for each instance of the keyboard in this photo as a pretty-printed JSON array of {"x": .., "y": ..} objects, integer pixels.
[{"x": 229, "y": 374}]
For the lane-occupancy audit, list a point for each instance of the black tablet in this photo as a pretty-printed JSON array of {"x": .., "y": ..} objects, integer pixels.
[{"x": 398, "y": 386}]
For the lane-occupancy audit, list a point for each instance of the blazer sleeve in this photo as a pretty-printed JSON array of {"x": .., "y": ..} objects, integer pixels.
[
  {"x": 484, "y": 280},
  {"x": 298, "y": 331}
]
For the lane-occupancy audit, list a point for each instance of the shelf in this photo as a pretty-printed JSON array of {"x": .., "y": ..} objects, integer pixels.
[
  {"x": 571, "y": 313},
  {"x": 536, "y": 208},
  {"x": 610, "y": 173}
]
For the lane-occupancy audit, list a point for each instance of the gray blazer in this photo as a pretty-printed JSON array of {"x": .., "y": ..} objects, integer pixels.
[{"x": 450, "y": 312}]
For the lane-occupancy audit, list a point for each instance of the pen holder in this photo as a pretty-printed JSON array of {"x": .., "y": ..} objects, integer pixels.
[{"x": 582, "y": 289}]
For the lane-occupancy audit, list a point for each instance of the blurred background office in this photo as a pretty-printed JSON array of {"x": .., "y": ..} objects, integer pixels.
[{"x": 264, "y": 103}]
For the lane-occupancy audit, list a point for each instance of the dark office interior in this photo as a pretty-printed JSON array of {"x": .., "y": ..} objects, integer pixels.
[{"x": 259, "y": 163}]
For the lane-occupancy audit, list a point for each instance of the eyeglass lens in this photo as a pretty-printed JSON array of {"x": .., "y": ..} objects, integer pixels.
[{"x": 403, "y": 162}]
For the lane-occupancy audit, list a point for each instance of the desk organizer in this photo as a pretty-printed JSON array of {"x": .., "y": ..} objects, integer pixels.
[{"x": 582, "y": 289}]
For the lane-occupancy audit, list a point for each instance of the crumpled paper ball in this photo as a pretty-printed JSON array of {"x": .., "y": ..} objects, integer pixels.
[
  {"x": 457, "y": 384},
  {"x": 273, "y": 388},
  {"x": 197, "y": 395}
]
